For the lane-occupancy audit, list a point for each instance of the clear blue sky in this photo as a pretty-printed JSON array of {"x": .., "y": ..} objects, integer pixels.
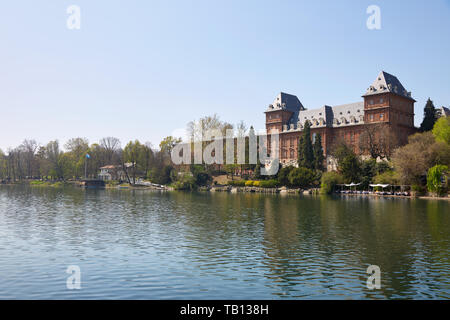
[{"x": 141, "y": 69}]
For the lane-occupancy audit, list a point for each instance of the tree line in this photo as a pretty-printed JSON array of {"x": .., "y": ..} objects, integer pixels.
[{"x": 79, "y": 158}]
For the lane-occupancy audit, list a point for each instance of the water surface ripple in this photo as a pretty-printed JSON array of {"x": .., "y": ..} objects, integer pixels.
[{"x": 149, "y": 245}]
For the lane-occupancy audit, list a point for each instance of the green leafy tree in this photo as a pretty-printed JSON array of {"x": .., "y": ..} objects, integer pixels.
[
  {"x": 368, "y": 171},
  {"x": 305, "y": 148},
  {"x": 168, "y": 143},
  {"x": 435, "y": 179},
  {"x": 441, "y": 129},
  {"x": 429, "y": 117},
  {"x": 283, "y": 175},
  {"x": 318, "y": 153},
  {"x": 134, "y": 157},
  {"x": 301, "y": 177},
  {"x": 348, "y": 163},
  {"x": 329, "y": 182}
]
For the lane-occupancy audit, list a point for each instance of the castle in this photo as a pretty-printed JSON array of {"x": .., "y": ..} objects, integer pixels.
[{"x": 386, "y": 104}]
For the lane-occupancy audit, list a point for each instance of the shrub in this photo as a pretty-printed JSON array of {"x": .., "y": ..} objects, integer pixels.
[
  {"x": 269, "y": 183},
  {"x": 301, "y": 177},
  {"x": 249, "y": 183},
  {"x": 237, "y": 183},
  {"x": 329, "y": 182},
  {"x": 185, "y": 182},
  {"x": 435, "y": 179},
  {"x": 387, "y": 177},
  {"x": 417, "y": 189},
  {"x": 283, "y": 175}
]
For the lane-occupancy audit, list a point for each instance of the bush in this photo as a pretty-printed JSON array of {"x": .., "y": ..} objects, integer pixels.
[
  {"x": 269, "y": 184},
  {"x": 283, "y": 175},
  {"x": 329, "y": 182},
  {"x": 201, "y": 176},
  {"x": 388, "y": 177},
  {"x": 435, "y": 179},
  {"x": 185, "y": 182},
  {"x": 417, "y": 189},
  {"x": 249, "y": 183},
  {"x": 301, "y": 177},
  {"x": 237, "y": 183}
]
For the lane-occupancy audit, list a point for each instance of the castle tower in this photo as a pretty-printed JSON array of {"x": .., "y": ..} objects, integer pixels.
[
  {"x": 387, "y": 101},
  {"x": 281, "y": 111}
]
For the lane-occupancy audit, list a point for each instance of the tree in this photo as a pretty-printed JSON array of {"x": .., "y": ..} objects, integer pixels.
[
  {"x": 368, "y": 171},
  {"x": 318, "y": 153},
  {"x": 329, "y": 181},
  {"x": 75, "y": 157},
  {"x": 305, "y": 148},
  {"x": 348, "y": 163},
  {"x": 54, "y": 156},
  {"x": 378, "y": 140},
  {"x": 3, "y": 166},
  {"x": 441, "y": 129},
  {"x": 413, "y": 160},
  {"x": 28, "y": 148},
  {"x": 429, "y": 117},
  {"x": 435, "y": 179},
  {"x": 111, "y": 147},
  {"x": 132, "y": 154},
  {"x": 283, "y": 175},
  {"x": 301, "y": 177},
  {"x": 168, "y": 143}
]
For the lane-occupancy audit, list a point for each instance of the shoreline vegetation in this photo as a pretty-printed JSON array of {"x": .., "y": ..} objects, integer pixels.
[
  {"x": 419, "y": 168},
  {"x": 235, "y": 188}
]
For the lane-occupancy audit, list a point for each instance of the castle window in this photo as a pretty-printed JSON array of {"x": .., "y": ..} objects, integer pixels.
[
  {"x": 381, "y": 100},
  {"x": 381, "y": 116},
  {"x": 371, "y": 117}
]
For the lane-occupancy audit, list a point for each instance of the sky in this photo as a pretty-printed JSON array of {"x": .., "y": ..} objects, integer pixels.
[{"x": 144, "y": 69}]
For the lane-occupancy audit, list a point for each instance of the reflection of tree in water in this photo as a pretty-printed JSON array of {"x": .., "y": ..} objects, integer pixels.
[{"x": 326, "y": 245}]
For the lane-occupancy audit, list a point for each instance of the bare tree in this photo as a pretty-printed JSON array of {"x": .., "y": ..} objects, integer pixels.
[
  {"x": 378, "y": 140},
  {"x": 27, "y": 151},
  {"x": 111, "y": 146}
]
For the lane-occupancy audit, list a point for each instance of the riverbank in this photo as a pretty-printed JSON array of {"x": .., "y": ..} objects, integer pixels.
[
  {"x": 313, "y": 191},
  {"x": 79, "y": 184},
  {"x": 222, "y": 189}
]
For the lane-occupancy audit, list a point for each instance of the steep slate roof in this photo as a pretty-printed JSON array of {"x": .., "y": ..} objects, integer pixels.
[
  {"x": 443, "y": 112},
  {"x": 285, "y": 101},
  {"x": 336, "y": 116},
  {"x": 341, "y": 115},
  {"x": 387, "y": 83}
]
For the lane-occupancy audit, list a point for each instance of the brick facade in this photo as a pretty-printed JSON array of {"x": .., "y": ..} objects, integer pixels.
[{"x": 385, "y": 103}]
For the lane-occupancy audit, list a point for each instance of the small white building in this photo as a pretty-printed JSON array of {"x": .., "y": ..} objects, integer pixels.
[{"x": 112, "y": 172}]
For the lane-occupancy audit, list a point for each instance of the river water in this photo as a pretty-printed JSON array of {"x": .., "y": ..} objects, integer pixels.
[{"x": 131, "y": 244}]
